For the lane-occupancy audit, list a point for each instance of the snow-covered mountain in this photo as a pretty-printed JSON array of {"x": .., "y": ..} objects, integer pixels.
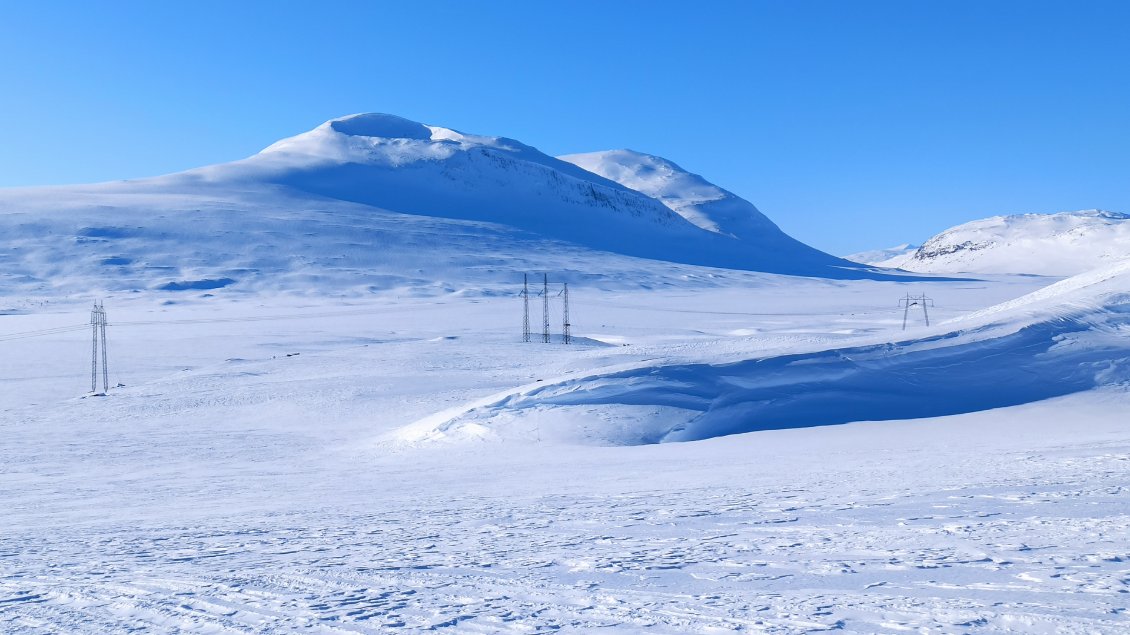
[
  {"x": 373, "y": 201},
  {"x": 879, "y": 257},
  {"x": 1062, "y": 244}
]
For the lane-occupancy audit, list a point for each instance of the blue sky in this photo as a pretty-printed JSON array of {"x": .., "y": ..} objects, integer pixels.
[{"x": 853, "y": 125}]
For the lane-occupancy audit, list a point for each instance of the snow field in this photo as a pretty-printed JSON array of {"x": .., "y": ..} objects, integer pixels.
[{"x": 230, "y": 487}]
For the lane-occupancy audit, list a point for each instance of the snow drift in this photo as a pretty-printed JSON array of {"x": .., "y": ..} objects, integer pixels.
[{"x": 1063, "y": 339}]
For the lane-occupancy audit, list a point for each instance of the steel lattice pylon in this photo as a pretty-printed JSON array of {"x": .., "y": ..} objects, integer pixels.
[
  {"x": 525, "y": 307},
  {"x": 98, "y": 335},
  {"x": 545, "y": 310}
]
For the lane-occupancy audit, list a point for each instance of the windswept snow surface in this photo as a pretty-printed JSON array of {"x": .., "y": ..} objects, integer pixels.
[
  {"x": 252, "y": 476},
  {"x": 1062, "y": 244}
]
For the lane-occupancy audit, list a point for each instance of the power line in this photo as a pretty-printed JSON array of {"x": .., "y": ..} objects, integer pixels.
[
  {"x": 253, "y": 318},
  {"x": 43, "y": 332}
]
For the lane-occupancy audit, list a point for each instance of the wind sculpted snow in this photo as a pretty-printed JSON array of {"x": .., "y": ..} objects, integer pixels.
[{"x": 1067, "y": 338}]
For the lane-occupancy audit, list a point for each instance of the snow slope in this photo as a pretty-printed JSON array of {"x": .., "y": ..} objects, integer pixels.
[
  {"x": 1060, "y": 244},
  {"x": 701, "y": 203},
  {"x": 689, "y": 195}
]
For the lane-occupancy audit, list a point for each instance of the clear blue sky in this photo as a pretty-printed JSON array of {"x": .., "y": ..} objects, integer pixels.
[{"x": 853, "y": 125}]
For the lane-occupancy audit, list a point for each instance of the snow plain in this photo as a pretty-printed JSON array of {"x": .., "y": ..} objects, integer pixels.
[
  {"x": 329, "y": 423},
  {"x": 252, "y": 476}
]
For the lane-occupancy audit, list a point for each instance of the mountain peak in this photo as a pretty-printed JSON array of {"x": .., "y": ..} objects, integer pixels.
[{"x": 380, "y": 125}]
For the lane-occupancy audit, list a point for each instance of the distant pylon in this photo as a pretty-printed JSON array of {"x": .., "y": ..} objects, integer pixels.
[
  {"x": 911, "y": 300},
  {"x": 95, "y": 321},
  {"x": 98, "y": 334},
  {"x": 566, "y": 327},
  {"x": 525, "y": 307},
  {"x": 545, "y": 310}
]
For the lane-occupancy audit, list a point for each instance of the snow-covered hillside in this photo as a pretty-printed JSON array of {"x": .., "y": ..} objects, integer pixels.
[
  {"x": 1061, "y": 244},
  {"x": 699, "y": 201},
  {"x": 689, "y": 195}
]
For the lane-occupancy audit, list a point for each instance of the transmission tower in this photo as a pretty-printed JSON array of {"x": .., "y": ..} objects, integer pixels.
[
  {"x": 911, "y": 300},
  {"x": 98, "y": 334},
  {"x": 545, "y": 310},
  {"x": 566, "y": 331},
  {"x": 525, "y": 307}
]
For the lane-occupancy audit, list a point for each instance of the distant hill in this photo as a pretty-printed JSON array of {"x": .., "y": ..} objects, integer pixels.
[
  {"x": 878, "y": 257},
  {"x": 1062, "y": 244}
]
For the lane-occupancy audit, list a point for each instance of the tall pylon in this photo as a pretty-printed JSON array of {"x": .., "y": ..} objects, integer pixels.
[
  {"x": 525, "y": 307},
  {"x": 545, "y": 310},
  {"x": 98, "y": 334},
  {"x": 566, "y": 327}
]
